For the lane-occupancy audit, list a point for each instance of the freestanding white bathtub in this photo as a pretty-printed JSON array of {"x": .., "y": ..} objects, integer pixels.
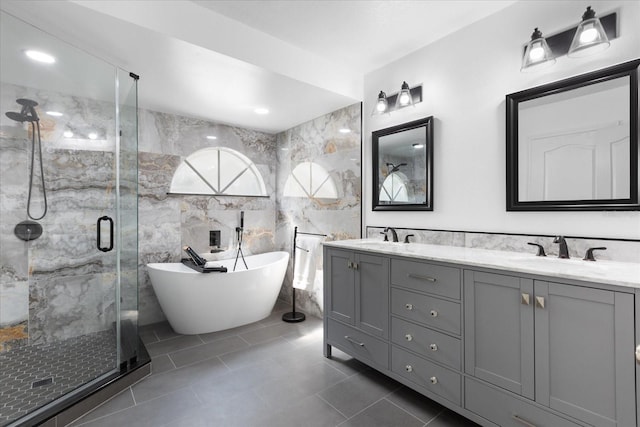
[{"x": 197, "y": 303}]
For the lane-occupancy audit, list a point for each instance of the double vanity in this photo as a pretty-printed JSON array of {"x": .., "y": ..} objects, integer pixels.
[{"x": 504, "y": 339}]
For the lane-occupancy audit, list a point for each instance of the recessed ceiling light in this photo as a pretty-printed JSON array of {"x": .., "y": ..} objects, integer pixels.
[
  {"x": 418, "y": 145},
  {"x": 68, "y": 134},
  {"x": 40, "y": 56},
  {"x": 54, "y": 113},
  {"x": 93, "y": 135},
  {"x": 261, "y": 111},
  {"x": 345, "y": 130},
  {"x": 212, "y": 137}
]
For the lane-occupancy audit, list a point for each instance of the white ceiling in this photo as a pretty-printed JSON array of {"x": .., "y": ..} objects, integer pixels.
[{"x": 219, "y": 60}]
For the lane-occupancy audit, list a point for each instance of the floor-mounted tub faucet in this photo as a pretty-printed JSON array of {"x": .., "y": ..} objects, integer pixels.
[{"x": 563, "y": 251}]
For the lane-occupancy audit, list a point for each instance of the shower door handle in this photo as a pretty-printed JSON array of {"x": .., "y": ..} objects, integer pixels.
[{"x": 99, "y": 237}]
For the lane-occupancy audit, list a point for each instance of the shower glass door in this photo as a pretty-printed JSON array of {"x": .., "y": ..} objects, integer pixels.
[{"x": 68, "y": 220}]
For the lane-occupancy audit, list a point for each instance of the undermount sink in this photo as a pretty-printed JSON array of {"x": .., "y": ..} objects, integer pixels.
[{"x": 378, "y": 244}]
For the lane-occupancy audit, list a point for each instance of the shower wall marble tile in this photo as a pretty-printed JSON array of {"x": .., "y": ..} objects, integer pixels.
[
  {"x": 169, "y": 222},
  {"x": 58, "y": 284},
  {"x": 319, "y": 141}
]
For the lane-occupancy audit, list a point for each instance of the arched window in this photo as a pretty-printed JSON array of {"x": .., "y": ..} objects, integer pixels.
[
  {"x": 309, "y": 179},
  {"x": 394, "y": 188},
  {"x": 218, "y": 171}
]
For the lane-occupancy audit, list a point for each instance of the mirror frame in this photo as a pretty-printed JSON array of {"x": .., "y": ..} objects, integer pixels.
[
  {"x": 627, "y": 69},
  {"x": 427, "y": 123}
]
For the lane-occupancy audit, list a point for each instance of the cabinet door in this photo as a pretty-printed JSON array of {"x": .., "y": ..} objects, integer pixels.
[
  {"x": 340, "y": 291},
  {"x": 498, "y": 333},
  {"x": 584, "y": 353},
  {"x": 372, "y": 290}
]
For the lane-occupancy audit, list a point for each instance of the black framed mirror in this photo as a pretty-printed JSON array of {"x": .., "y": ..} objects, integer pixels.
[
  {"x": 573, "y": 144},
  {"x": 403, "y": 166}
]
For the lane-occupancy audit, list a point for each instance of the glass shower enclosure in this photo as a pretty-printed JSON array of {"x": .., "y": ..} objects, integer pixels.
[{"x": 68, "y": 222}]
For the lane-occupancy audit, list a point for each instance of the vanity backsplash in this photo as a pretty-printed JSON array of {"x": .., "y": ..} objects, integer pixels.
[{"x": 617, "y": 250}]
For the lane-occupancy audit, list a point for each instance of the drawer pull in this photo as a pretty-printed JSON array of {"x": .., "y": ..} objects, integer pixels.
[
  {"x": 408, "y": 306},
  {"x": 408, "y": 368},
  {"x": 638, "y": 353},
  {"x": 433, "y": 380},
  {"x": 348, "y": 338},
  {"x": 408, "y": 337},
  {"x": 419, "y": 277},
  {"x": 433, "y": 347},
  {"x": 522, "y": 421},
  {"x": 433, "y": 313}
]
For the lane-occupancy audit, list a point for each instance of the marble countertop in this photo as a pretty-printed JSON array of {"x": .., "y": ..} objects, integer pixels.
[{"x": 625, "y": 274}]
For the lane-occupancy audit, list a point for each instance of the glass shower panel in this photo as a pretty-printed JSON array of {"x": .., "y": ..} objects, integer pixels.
[
  {"x": 68, "y": 219},
  {"x": 128, "y": 215}
]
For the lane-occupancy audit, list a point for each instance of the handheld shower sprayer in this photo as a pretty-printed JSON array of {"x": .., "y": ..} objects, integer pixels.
[{"x": 28, "y": 114}]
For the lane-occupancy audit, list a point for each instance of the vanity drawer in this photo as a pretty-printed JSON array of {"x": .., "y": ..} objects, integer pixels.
[
  {"x": 434, "y": 279},
  {"x": 432, "y": 344},
  {"x": 506, "y": 410},
  {"x": 357, "y": 343},
  {"x": 430, "y": 311},
  {"x": 434, "y": 378}
]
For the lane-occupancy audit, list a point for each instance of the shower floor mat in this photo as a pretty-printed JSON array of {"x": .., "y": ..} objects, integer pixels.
[{"x": 34, "y": 375}]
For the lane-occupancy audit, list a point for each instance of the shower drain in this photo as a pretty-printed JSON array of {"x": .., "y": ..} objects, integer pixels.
[{"x": 41, "y": 383}]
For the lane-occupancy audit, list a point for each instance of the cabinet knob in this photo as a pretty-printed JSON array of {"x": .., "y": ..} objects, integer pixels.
[
  {"x": 408, "y": 368},
  {"x": 540, "y": 302},
  {"x": 408, "y": 337},
  {"x": 433, "y": 380},
  {"x": 408, "y": 306},
  {"x": 525, "y": 299},
  {"x": 433, "y": 347},
  {"x": 638, "y": 353},
  {"x": 433, "y": 313}
]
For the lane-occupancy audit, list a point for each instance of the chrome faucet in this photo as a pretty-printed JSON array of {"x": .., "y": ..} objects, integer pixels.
[
  {"x": 393, "y": 233},
  {"x": 563, "y": 251}
]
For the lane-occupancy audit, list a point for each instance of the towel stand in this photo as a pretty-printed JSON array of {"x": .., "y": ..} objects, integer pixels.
[{"x": 293, "y": 316}]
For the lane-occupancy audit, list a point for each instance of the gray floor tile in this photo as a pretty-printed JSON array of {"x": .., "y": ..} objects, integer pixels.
[
  {"x": 167, "y": 382},
  {"x": 214, "y": 336},
  {"x": 174, "y": 344},
  {"x": 236, "y": 411},
  {"x": 161, "y": 363},
  {"x": 156, "y": 412},
  {"x": 207, "y": 351},
  {"x": 268, "y": 374},
  {"x": 256, "y": 353},
  {"x": 451, "y": 419},
  {"x": 309, "y": 412},
  {"x": 358, "y": 392},
  {"x": 383, "y": 414},
  {"x": 413, "y": 402},
  {"x": 148, "y": 336},
  {"x": 164, "y": 331},
  {"x": 119, "y": 402}
]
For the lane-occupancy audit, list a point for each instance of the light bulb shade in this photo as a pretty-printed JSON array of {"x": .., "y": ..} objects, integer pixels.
[
  {"x": 382, "y": 105},
  {"x": 537, "y": 53},
  {"x": 590, "y": 36},
  {"x": 404, "y": 98}
]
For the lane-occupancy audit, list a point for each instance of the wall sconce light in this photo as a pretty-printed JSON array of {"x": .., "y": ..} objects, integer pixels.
[
  {"x": 408, "y": 96},
  {"x": 590, "y": 36}
]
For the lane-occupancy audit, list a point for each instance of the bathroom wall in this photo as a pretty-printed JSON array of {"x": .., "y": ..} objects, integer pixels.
[
  {"x": 59, "y": 285},
  {"x": 168, "y": 222},
  {"x": 465, "y": 78},
  {"x": 332, "y": 141}
]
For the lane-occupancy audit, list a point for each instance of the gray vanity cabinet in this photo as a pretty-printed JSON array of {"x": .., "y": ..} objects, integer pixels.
[
  {"x": 499, "y": 330},
  {"x": 584, "y": 344},
  {"x": 357, "y": 304},
  {"x": 569, "y": 348}
]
